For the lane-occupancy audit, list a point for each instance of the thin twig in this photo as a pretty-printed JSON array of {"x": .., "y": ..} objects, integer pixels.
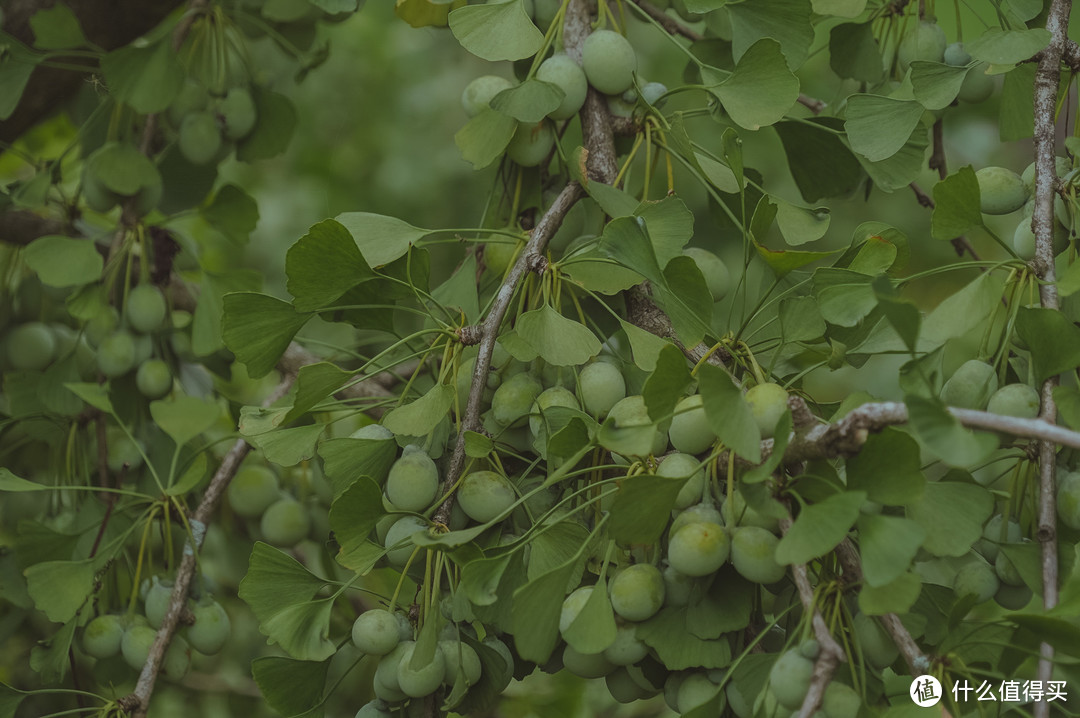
[
  {"x": 830, "y": 654},
  {"x": 670, "y": 24},
  {"x": 1047, "y": 77}
]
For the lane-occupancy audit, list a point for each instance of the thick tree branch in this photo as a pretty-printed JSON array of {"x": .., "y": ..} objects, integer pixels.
[
  {"x": 1047, "y": 77},
  {"x": 21, "y": 227},
  {"x": 830, "y": 654}
]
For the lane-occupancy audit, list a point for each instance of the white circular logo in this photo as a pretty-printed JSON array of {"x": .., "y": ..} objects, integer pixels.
[{"x": 925, "y": 691}]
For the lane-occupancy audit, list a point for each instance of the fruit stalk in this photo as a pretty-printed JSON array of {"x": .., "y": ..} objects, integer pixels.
[{"x": 1047, "y": 77}]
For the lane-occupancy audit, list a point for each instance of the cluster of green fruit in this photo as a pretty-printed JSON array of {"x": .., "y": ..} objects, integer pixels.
[
  {"x": 207, "y": 125},
  {"x": 926, "y": 42},
  {"x": 608, "y": 63},
  {"x": 974, "y": 385},
  {"x": 122, "y": 643},
  {"x": 988, "y": 573},
  {"x": 277, "y": 516}
]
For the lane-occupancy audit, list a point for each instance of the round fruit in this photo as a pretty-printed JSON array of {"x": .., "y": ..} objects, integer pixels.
[
  {"x": 586, "y": 665},
  {"x": 977, "y": 85},
  {"x": 483, "y": 495},
  {"x": 637, "y": 592},
  {"x": 568, "y": 76},
  {"x": 285, "y": 523},
  {"x": 738, "y": 703},
  {"x": 422, "y": 680},
  {"x": 211, "y": 629},
  {"x": 191, "y": 98},
  {"x": 372, "y": 432},
  {"x": 925, "y": 42},
  {"x": 630, "y": 412},
  {"x": 737, "y": 512},
  {"x": 841, "y": 701},
  {"x": 1001, "y": 190},
  {"x": 698, "y": 549},
  {"x": 677, "y": 466},
  {"x": 399, "y": 533},
  {"x": 970, "y": 386},
  {"x": 116, "y": 354},
  {"x": 460, "y": 658},
  {"x": 238, "y": 109},
  {"x": 156, "y": 601},
  {"x": 1006, "y": 571},
  {"x": 876, "y": 646},
  {"x": 497, "y": 258},
  {"x": 1013, "y": 598},
  {"x": 555, "y": 396},
  {"x": 717, "y": 276},
  {"x": 956, "y": 55},
  {"x": 253, "y": 490},
  {"x": 386, "y": 674},
  {"x": 145, "y": 308},
  {"x": 977, "y": 579},
  {"x": 626, "y": 649},
  {"x": 123, "y": 451},
  {"x": 622, "y": 687},
  {"x": 177, "y": 660},
  {"x": 601, "y": 386},
  {"x": 153, "y": 379},
  {"x": 651, "y": 92},
  {"x": 31, "y": 347},
  {"x": 789, "y": 678},
  {"x": 531, "y": 143},
  {"x": 704, "y": 511},
  {"x": 376, "y": 632},
  {"x": 1062, "y": 165},
  {"x": 690, "y": 431},
  {"x": 1068, "y": 500},
  {"x": 514, "y": 398},
  {"x": 135, "y": 645},
  {"x": 1024, "y": 240},
  {"x": 768, "y": 402},
  {"x": 572, "y": 606},
  {"x": 695, "y": 690},
  {"x": 102, "y": 636},
  {"x": 753, "y": 554},
  {"x": 413, "y": 480},
  {"x": 200, "y": 138},
  {"x": 374, "y": 709},
  {"x": 102, "y": 325},
  {"x": 1015, "y": 400},
  {"x": 677, "y": 587},
  {"x": 478, "y": 93},
  {"x": 992, "y": 536},
  {"x": 609, "y": 62}
]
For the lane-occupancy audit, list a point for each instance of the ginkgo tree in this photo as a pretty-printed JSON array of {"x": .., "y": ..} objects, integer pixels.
[{"x": 603, "y": 443}]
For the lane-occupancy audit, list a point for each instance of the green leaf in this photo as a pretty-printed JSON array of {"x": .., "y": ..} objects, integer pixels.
[
  {"x": 888, "y": 469},
  {"x": 627, "y": 440},
  {"x": 1068, "y": 405},
  {"x": 184, "y": 417},
  {"x": 1062, "y": 634},
  {"x": 480, "y": 578},
  {"x": 935, "y": 84},
  {"x": 800, "y": 225},
  {"x": 53, "y": 659},
  {"x": 346, "y": 460},
  {"x": 419, "y": 417},
  {"x": 314, "y": 382},
  {"x": 484, "y": 138},
  {"x": 782, "y": 436},
  {"x": 878, "y": 127},
  {"x": 728, "y": 413},
  {"x": 531, "y": 101},
  {"x": 96, "y": 395},
  {"x": 666, "y": 384},
  {"x": 839, "y": 8},
  {"x": 800, "y": 319},
  {"x": 57, "y": 28},
  {"x": 762, "y": 88},
  {"x": 63, "y": 261},
  {"x": 233, "y": 212},
  {"x": 897, "y": 596},
  {"x": 381, "y": 239},
  {"x": 1069, "y": 281},
  {"x": 258, "y": 328},
  {"x": 786, "y": 21},
  {"x": 191, "y": 478},
  {"x": 302, "y": 630},
  {"x": 335, "y": 7},
  {"x": 535, "y": 612},
  {"x": 844, "y": 297},
  {"x": 292, "y": 688},
  {"x": 59, "y": 588},
  {"x": 903, "y": 315},
  {"x": 323, "y": 265},
  {"x": 10, "y": 698},
  {"x": 354, "y": 513},
  {"x": 677, "y": 648},
  {"x": 425, "y": 13},
  {"x": 645, "y": 346},
  {"x": 558, "y": 340},
  {"x": 273, "y": 130},
  {"x": 887, "y": 544},
  {"x": 16, "y": 65},
  {"x": 957, "y": 205},
  {"x": 952, "y": 514},
  {"x": 288, "y": 447},
  {"x": 724, "y": 608},
  {"x": 614, "y": 201},
  {"x": 901, "y": 169},
  {"x": 717, "y": 173},
  {"x": 594, "y": 628},
  {"x": 642, "y": 508},
  {"x": 1007, "y": 47},
  {"x": 670, "y": 225},
  {"x": 14, "y": 484},
  {"x": 1054, "y": 341},
  {"x": 854, "y": 53},
  {"x": 477, "y": 446},
  {"x": 122, "y": 168},
  {"x": 280, "y": 592},
  {"x": 1016, "y": 118},
  {"x": 943, "y": 435},
  {"x": 146, "y": 78},
  {"x": 496, "y": 31},
  {"x": 459, "y": 291},
  {"x": 820, "y": 528},
  {"x": 820, "y": 163}
]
